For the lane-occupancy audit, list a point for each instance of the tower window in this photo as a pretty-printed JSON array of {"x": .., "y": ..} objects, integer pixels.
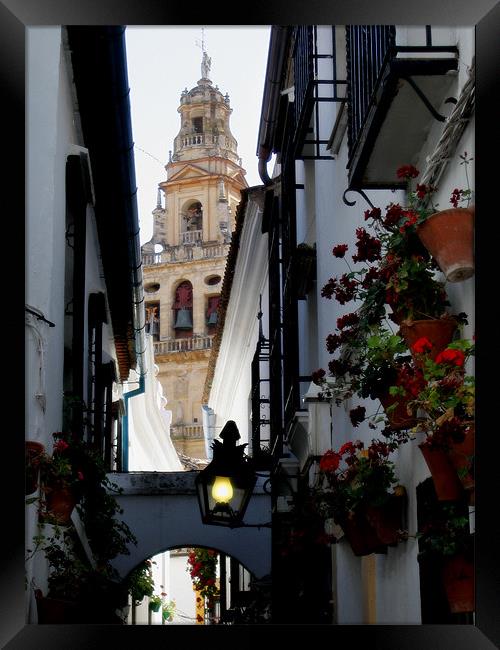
[{"x": 198, "y": 124}]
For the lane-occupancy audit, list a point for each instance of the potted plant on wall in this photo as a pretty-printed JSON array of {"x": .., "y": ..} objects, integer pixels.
[
  {"x": 77, "y": 591},
  {"x": 140, "y": 582},
  {"x": 448, "y": 234},
  {"x": 78, "y": 469},
  {"x": 62, "y": 482},
  {"x": 202, "y": 567},
  {"x": 371, "y": 366},
  {"x": 155, "y": 602},
  {"x": 398, "y": 272},
  {"x": 356, "y": 489},
  {"x": 446, "y": 403},
  {"x": 446, "y": 538}
]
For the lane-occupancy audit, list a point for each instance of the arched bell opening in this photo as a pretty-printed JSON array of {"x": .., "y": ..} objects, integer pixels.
[
  {"x": 183, "y": 310},
  {"x": 212, "y": 313}
]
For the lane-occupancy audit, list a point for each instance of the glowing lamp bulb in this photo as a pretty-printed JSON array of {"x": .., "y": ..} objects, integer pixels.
[{"x": 222, "y": 490}]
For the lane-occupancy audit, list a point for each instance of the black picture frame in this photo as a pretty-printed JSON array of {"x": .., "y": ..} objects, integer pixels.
[{"x": 18, "y": 15}]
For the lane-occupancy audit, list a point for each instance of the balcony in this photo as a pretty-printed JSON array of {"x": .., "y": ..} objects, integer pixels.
[
  {"x": 183, "y": 345},
  {"x": 191, "y": 237},
  {"x": 183, "y": 431},
  {"x": 315, "y": 88},
  {"x": 397, "y": 81},
  {"x": 187, "y": 252}
]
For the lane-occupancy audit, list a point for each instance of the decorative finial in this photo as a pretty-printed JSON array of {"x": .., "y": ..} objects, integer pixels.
[{"x": 158, "y": 200}]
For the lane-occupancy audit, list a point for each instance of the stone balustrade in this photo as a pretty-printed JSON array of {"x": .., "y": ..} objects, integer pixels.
[
  {"x": 183, "y": 345},
  {"x": 186, "y": 252}
]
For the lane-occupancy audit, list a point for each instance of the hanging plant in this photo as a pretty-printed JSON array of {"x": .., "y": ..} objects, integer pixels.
[{"x": 202, "y": 567}]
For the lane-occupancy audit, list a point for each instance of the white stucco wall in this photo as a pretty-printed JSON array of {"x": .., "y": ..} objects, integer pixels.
[
  {"x": 49, "y": 133},
  {"x": 397, "y": 598}
]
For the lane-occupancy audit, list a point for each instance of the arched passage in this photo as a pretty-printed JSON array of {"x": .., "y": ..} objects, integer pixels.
[{"x": 162, "y": 511}]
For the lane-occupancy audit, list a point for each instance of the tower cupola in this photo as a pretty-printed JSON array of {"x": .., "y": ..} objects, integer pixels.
[{"x": 205, "y": 114}]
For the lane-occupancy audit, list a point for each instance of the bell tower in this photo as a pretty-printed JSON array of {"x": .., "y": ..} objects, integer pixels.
[{"x": 185, "y": 259}]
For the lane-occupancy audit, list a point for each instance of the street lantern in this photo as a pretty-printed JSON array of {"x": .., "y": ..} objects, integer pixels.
[{"x": 225, "y": 486}]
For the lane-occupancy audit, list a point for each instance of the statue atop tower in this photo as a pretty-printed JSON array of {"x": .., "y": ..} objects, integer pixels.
[{"x": 206, "y": 62}]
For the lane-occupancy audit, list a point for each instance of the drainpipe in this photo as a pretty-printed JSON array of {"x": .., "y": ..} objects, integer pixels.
[{"x": 125, "y": 437}]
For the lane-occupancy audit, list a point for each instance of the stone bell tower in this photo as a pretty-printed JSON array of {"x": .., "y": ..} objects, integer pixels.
[{"x": 185, "y": 259}]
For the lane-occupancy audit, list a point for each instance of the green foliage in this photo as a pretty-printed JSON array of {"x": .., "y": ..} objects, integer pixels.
[
  {"x": 353, "y": 477},
  {"x": 446, "y": 533},
  {"x": 140, "y": 582},
  {"x": 79, "y": 467},
  {"x": 447, "y": 398},
  {"x": 202, "y": 567}
]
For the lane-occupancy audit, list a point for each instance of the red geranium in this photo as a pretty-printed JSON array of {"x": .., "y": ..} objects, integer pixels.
[
  {"x": 422, "y": 345},
  {"x": 456, "y": 357},
  {"x": 407, "y": 171},
  {"x": 329, "y": 461},
  {"x": 340, "y": 250}
]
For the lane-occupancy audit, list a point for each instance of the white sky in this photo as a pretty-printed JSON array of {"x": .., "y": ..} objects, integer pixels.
[{"x": 162, "y": 61}]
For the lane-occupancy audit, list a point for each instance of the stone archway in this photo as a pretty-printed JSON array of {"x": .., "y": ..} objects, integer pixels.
[{"x": 162, "y": 511}]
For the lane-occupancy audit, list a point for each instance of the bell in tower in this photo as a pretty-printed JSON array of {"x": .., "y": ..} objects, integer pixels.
[{"x": 183, "y": 320}]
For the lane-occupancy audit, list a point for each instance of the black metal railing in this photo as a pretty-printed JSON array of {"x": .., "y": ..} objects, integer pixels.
[
  {"x": 303, "y": 69},
  {"x": 368, "y": 48}
]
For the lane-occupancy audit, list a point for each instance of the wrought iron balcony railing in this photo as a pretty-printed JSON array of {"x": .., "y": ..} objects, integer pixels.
[
  {"x": 398, "y": 80},
  {"x": 368, "y": 47}
]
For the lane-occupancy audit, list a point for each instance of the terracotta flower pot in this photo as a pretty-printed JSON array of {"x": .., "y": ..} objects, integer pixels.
[
  {"x": 33, "y": 452},
  {"x": 444, "y": 476},
  {"x": 458, "y": 580},
  {"x": 55, "y": 610},
  {"x": 398, "y": 417},
  {"x": 386, "y": 520},
  {"x": 439, "y": 331},
  {"x": 461, "y": 455},
  {"x": 448, "y": 235},
  {"x": 360, "y": 534},
  {"x": 59, "y": 502}
]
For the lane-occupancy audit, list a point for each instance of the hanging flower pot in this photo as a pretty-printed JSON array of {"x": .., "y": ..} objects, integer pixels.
[
  {"x": 398, "y": 417},
  {"x": 360, "y": 534},
  {"x": 448, "y": 235},
  {"x": 55, "y": 610},
  {"x": 444, "y": 476},
  {"x": 59, "y": 504},
  {"x": 33, "y": 453},
  {"x": 461, "y": 455},
  {"x": 386, "y": 520},
  {"x": 439, "y": 331},
  {"x": 458, "y": 580},
  {"x": 155, "y": 604}
]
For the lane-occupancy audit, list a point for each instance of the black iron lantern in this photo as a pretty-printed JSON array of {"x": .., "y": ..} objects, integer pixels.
[{"x": 225, "y": 486}]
